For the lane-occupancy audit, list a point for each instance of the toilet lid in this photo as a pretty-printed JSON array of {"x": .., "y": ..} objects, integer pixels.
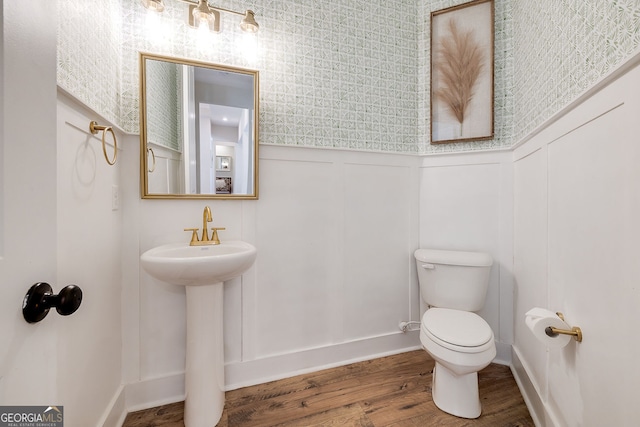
[{"x": 461, "y": 328}]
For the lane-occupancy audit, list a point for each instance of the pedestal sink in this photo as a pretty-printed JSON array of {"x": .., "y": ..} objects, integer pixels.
[{"x": 202, "y": 270}]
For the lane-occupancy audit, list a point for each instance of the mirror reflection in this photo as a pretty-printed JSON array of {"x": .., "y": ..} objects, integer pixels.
[{"x": 199, "y": 129}]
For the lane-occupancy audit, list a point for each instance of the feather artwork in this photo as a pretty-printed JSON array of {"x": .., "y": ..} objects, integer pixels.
[{"x": 460, "y": 64}]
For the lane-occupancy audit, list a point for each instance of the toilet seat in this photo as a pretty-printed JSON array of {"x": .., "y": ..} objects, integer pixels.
[{"x": 457, "y": 330}]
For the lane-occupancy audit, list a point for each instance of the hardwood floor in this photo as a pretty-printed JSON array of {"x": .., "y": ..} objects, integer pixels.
[{"x": 393, "y": 391}]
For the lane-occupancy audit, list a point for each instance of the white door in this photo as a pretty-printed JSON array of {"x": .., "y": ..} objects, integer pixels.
[{"x": 27, "y": 200}]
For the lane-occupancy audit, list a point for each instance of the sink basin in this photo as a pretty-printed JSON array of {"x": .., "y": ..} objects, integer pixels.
[{"x": 181, "y": 264}]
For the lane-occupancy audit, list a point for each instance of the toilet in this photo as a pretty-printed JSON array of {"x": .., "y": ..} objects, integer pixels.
[{"x": 453, "y": 285}]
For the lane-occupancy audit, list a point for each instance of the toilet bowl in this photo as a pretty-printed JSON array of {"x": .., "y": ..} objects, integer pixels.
[
  {"x": 453, "y": 284},
  {"x": 461, "y": 343}
]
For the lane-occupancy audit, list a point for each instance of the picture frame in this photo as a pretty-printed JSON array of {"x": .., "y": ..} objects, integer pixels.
[
  {"x": 223, "y": 185},
  {"x": 223, "y": 163},
  {"x": 462, "y": 56}
]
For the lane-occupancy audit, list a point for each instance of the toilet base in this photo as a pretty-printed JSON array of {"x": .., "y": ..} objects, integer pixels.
[{"x": 456, "y": 394}]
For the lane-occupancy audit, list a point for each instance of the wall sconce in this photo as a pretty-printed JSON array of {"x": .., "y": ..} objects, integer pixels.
[{"x": 201, "y": 13}]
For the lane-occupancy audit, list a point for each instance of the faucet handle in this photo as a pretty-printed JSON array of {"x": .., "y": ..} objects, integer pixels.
[
  {"x": 214, "y": 239},
  {"x": 194, "y": 235}
]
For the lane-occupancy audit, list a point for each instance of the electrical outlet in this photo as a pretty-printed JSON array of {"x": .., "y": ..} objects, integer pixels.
[{"x": 115, "y": 198}]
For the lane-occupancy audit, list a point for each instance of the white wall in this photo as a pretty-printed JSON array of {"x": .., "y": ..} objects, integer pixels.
[
  {"x": 335, "y": 274},
  {"x": 58, "y": 227},
  {"x": 466, "y": 204},
  {"x": 335, "y": 232},
  {"x": 576, "y": 251},
  {"x": 88, "y": 254}
]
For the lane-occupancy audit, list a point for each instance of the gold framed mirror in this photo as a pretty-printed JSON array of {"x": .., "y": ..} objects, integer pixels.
[{"x": 198, "y": 129}]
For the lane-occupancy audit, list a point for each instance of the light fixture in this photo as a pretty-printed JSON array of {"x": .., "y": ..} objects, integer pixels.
[
  {"x": 154, "y": 5},
  {"x": 201, "y": 12},
  {"x": 248, "y": 23}
]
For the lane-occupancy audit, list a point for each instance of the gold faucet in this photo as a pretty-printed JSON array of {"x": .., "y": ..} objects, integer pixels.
[{"x": 206, "y": 217}]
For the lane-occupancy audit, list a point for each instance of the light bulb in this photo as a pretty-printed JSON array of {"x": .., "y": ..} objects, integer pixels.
[{"x": 203, "y": 15}]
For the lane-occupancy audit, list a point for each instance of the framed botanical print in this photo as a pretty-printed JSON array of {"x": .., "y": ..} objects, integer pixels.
[{"x": 462, "y": 72}]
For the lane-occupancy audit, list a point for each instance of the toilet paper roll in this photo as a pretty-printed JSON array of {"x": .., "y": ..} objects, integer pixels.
[{"x": 538, "y": 319}]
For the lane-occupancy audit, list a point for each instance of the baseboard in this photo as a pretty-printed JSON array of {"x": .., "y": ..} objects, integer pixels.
[
  {"x": 116, "y": 411},
  {"x": 141, "y": 395},
  {"x": 252, "y": 372},
  {"x": 503, "y": 354},
  {"x": 540, "y": 412},
  {"x": 259, "y": 371},
  {"x": 154, "y": 392},
  {"x": 527, "y": 389}
]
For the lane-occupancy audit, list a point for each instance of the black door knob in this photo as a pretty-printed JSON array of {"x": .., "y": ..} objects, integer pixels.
[
  {"x": 40, "y": 298},
  {"x": 68, "y": 300}
]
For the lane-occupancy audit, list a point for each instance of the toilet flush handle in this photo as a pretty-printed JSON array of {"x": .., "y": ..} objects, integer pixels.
[{"x": 428, "y": 266}]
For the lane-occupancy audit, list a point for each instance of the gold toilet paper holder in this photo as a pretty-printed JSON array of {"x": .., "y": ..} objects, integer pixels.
[{"x": 576, "y": 332}]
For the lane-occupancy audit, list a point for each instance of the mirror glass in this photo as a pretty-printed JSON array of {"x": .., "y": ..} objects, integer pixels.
[{"x": 198, "y": 130}]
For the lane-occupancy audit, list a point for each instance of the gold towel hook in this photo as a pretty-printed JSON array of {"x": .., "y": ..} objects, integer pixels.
[
  {"x": 94, "y": 127},
  {"x": 153, "y": 157}
]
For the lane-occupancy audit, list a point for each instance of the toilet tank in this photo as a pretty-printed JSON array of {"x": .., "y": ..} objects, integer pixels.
[{"x": 453, "y": 279}]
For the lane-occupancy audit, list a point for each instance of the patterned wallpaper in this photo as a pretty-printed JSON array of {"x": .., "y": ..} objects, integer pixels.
[
  {"x": 351, "y": 74},
  {"x": 561, "y": 48},
  {"x": 89, "y": 54},
  {"x": 164, "y": 104}
]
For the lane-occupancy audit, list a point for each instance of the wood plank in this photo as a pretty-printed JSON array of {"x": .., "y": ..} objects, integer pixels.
[
  {"x": 287, "y": 386},
  {"x": 299, "y": 404},
  {"x": 393, "y": 391},
  {"x": 350, "y": 415},
  {"x": 162, "y": 416}
]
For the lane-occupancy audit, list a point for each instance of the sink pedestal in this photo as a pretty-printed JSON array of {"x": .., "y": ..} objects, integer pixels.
[
  {"x": 204, "y": 375},
  {"x": 202, "y": 270}
]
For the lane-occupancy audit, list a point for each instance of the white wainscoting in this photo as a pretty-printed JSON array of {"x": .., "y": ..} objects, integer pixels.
[
  {"x": 335, "y": 232},
  {"x": 334, "y": 276},
  {"x": 576, "y": 234},
  {"x": 466, "y": 204},
  {"x": 166, "y": 174},
  {"x": 88, "y": 244}
]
